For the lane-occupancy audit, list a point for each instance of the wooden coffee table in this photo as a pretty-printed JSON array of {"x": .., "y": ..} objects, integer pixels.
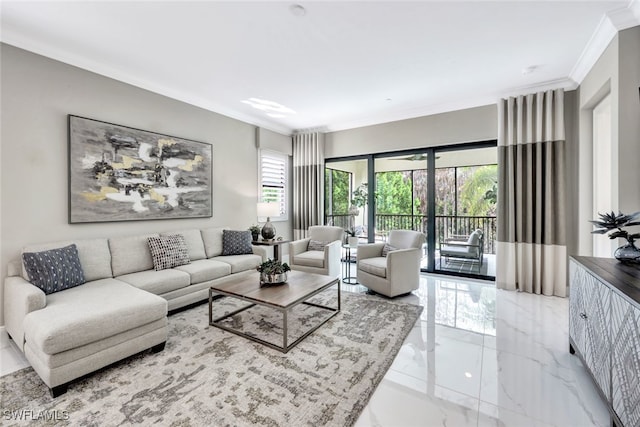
[{"x": 299, "y": 288}]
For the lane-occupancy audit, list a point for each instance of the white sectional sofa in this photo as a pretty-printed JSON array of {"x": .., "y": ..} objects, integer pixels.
[{"x": 122, "y": 307}]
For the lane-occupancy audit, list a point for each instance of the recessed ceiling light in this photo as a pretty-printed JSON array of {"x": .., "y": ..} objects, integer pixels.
[{"x": 297, "y": 10}]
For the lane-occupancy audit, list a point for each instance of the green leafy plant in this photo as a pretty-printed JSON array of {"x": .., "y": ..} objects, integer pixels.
[
  {"x": 360, "y": 196},
  {"x": 254, "y": 229},
  {"x": 611, "y": 221},
  {"x": 271, "y": 267}
]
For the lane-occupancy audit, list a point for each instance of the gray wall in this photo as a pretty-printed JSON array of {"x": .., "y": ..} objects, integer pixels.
[
  {"x": 473, "y": 124},
  {"x": 39, "y": 93},
  {"x": 617, "y": 72},
  {"x": 629, "y": 120}
]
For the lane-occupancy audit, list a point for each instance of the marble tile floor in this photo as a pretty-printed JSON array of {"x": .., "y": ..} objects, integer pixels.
[
  {"x": 485, "y": 357},
  {"x": 477, "y": 357}
]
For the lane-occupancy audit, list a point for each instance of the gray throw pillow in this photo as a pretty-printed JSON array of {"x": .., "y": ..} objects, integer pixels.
[
  {"x": 387, "y": 248},
  {"x": 236, "y": 242},
  {"x": 168, "y": 251},
  {"x": 54, "y": 270},
  {"x": 316, "y": 245}
]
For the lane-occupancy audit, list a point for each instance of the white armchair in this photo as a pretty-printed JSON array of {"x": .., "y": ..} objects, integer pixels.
[
  {"x": 319, "y": 253},
  {"x": 392, "y": 268}
]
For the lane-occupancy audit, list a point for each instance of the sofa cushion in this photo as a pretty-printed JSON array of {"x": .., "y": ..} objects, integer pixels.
[
  {"x": 316, "y": 245},
  {"x": 235, "y": 242},
  {"x": 205, "y": 269},
  {"x": 130, "y": 254},
  {"x": 193, "y": 239},
  {"x": 94, "y": 254},
  {"x": 54, "y": 270},
  {"x": 240, "y": 263},
  {"x": 168, "y": 251},
  {"x": 387, "y": 248},
  {"x": 157, "y": 282},
  {"x": 376, "y": 266},
  {"x": 310, "y": 259},
  {"x": 212, "y": 239},
  {"x": 91, "y": 312}
]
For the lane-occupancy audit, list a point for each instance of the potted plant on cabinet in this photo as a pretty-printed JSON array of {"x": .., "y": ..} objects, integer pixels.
[{"x": 628, "y": 253}]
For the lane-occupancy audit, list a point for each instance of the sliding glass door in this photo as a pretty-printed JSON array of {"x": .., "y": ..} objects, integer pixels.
[
  {"x": 448, "y": 193},
  {"x": 346, "y": 195},
  {"x": 466, "y": 187}
]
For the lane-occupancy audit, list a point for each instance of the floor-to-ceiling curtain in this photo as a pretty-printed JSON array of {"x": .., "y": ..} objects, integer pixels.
[
  {"x": 531, "y": 248},
  {"x": 308, "y": 182}
]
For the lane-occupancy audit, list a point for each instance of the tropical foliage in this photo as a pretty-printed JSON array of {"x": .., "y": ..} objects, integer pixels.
[
  {"x": 611, "y": 221},
  {"x": 460, "y": 191},
  {"x": 337, "y": 196}
]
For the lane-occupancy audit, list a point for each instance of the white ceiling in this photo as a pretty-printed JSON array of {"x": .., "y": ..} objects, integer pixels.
[{"x": 340, "y": 65}]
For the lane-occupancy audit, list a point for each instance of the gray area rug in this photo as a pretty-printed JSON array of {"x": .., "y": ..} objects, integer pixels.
[{"x": 206, "y": 376}]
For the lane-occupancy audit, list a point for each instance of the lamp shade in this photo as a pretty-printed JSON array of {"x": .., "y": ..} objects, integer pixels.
[{"x": 268, "y": 209}]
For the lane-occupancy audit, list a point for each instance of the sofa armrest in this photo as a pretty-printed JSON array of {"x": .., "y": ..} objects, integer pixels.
[
  {"x": 20, "y": 299},
  {"x": 260, "y": 250},
  {"x": 297, "y": 247},
  {"x": 370, "y": 250},
  {"x": 14, "y": 268}
]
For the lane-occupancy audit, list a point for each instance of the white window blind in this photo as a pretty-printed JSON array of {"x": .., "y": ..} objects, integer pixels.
[{"x": 273, "y": 180}]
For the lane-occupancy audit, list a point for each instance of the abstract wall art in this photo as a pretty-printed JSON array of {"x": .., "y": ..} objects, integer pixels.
[{"x": 117, "y": 173}]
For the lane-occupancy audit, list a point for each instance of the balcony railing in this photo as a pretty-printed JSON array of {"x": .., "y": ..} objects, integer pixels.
[{"x": 446, "y": 226}]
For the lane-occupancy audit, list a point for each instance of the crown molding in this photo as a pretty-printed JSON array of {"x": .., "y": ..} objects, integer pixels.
[
  {"x": 626, "y": 17},
  {"x": 634, "y": 7},
  {"x": 606, "y": 30},
  {"x": 600, "y": 39},
  {"x": 565, "y": 83}
]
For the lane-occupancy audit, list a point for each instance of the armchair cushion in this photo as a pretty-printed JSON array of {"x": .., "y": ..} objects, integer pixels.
[
  {"x": 376, "y": 266},
  {"x": 312, "y": 258},
  {"x": 316, "y": 245},
  {"x": 325, "y": 233},
  {"x": 387, "y": 248}
]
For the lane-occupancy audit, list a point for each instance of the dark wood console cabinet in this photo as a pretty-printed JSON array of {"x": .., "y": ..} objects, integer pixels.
[{"x": 604, "y": 331}]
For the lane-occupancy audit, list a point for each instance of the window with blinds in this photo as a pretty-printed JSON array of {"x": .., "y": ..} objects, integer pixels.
[{"x": 274, "y": 180}]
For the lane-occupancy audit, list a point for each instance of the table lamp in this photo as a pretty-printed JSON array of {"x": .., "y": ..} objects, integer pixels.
[{"x": 268, "y": 209}]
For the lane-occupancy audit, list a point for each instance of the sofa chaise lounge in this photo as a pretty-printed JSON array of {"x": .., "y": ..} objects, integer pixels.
[{"x": 121, "y": 308}]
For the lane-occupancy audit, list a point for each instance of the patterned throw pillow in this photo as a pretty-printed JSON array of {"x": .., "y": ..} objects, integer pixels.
[
  {"x": 168, "y": 251},
  {"x": 236, "y": 242},
  {"x": 54, "y": 270},
  {"x": 387, "y": 248},
  {"x": 316, "y": 245}
]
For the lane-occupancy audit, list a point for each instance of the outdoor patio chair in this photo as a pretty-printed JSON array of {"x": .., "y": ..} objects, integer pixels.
[
  {"x": 392, "y": 268},
  {"x": 320, "y": 252},
  {"x": 464, "y": 247}
]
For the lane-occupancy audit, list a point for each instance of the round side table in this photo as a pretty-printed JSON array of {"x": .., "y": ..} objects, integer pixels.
[{"x": 346, "y": 274}]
